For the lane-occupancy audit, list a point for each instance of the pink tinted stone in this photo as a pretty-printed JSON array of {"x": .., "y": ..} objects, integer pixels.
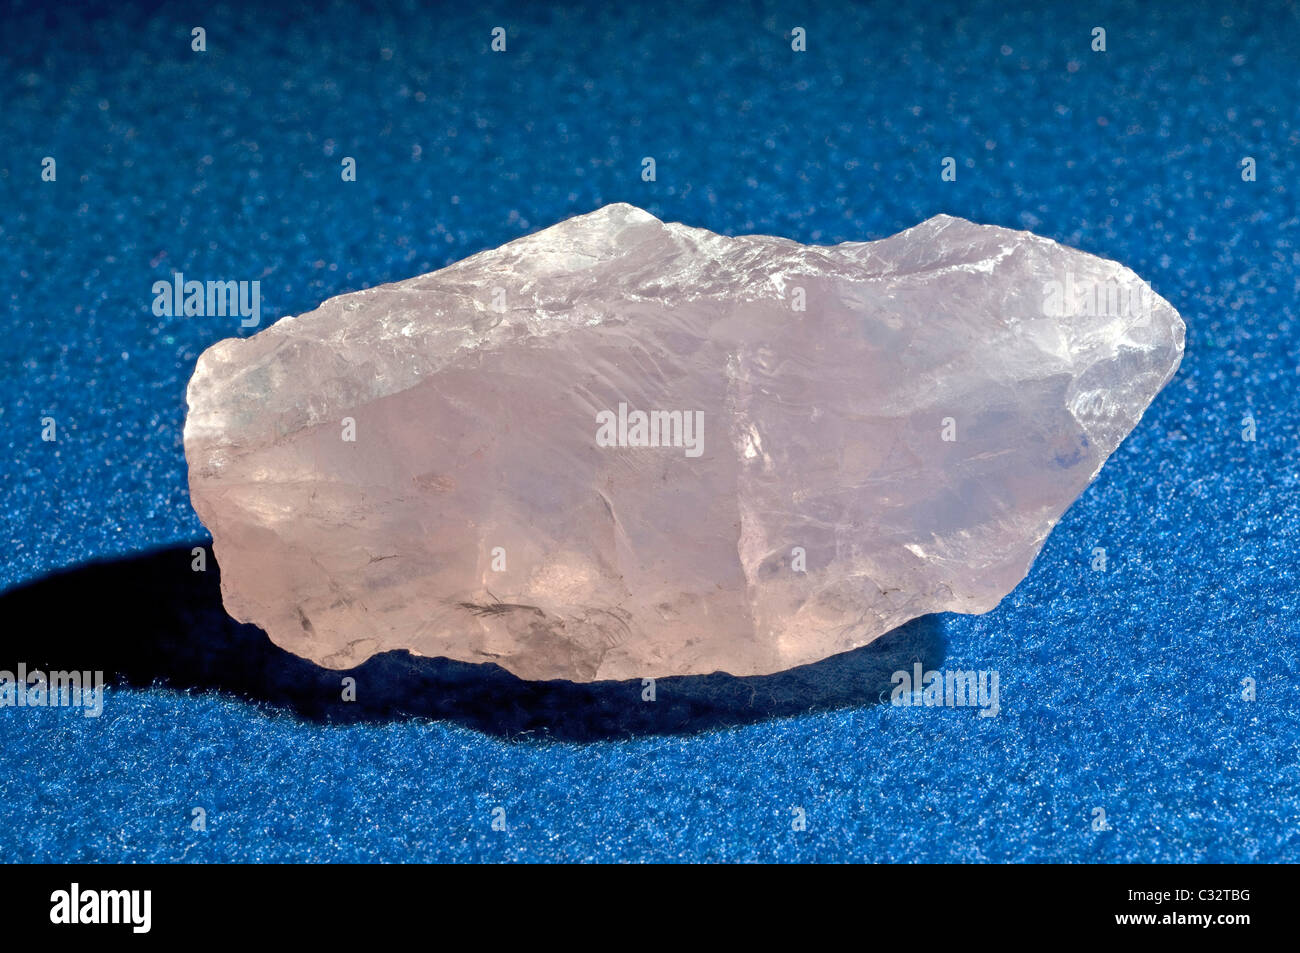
[{"x": 847, "y": 437}]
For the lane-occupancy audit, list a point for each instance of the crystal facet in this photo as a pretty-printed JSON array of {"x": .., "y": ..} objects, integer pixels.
[{"x": 621, "y": 448}]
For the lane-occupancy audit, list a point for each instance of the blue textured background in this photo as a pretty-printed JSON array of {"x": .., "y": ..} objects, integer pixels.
[{"x": 1119, "y": 690}]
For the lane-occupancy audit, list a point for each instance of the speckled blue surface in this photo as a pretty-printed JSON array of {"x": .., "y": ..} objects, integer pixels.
[{"x": 1119, "y": 690}]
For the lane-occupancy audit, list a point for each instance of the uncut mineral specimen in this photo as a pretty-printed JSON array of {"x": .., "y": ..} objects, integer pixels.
[{"x": 621, "y": 448}]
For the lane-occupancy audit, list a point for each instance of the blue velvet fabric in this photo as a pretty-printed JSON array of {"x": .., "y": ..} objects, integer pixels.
[{"x": 1120, "y": 690}]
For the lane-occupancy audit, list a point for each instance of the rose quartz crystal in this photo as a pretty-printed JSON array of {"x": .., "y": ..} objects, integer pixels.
[{"x": 463, "y": 464}]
